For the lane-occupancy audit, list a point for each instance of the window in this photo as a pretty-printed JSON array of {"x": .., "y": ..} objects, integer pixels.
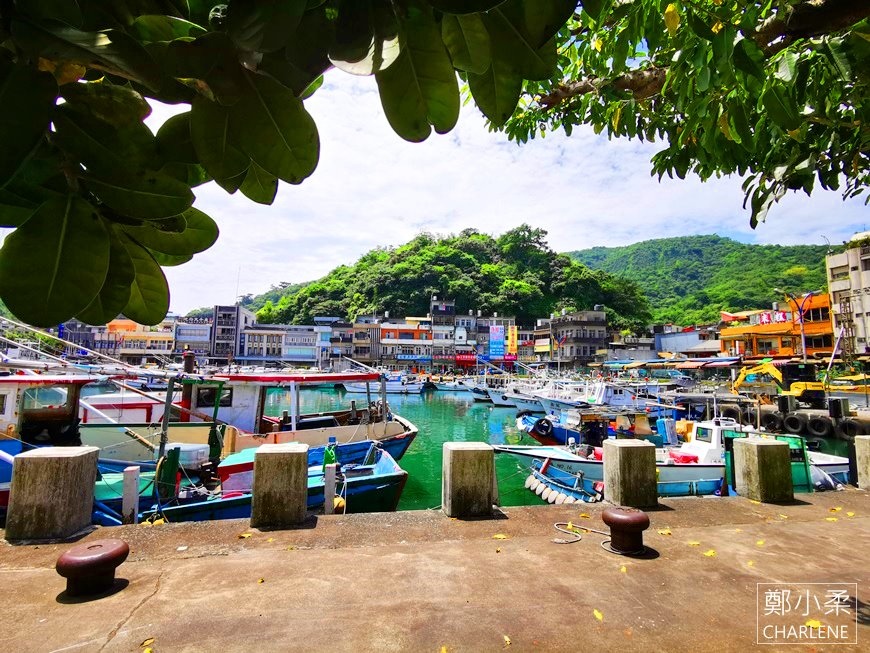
[
  {"x": 865, "y": 264},
  {"x": 206, "y": 397},
  {"x": 703, "y": 434}
]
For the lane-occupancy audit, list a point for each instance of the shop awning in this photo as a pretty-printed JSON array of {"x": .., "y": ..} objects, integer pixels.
[
  {"x": 689, "y": 365},
  {"x": 635, "y": 365},
  {"x": 719, "y": 364}
]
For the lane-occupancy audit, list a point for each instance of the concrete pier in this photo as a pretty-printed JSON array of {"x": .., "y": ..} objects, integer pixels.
[
  {"x": 763, "y": 470},
  {"x": 862, "y": 455},
  {"x": 630, "y": 473},
  {"x": 280, "y": 492},
  {"x": 468, "y": 470},
  {"x": 52, "y": 493}
]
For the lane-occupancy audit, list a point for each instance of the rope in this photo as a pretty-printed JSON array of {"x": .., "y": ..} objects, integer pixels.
[{"x": 577, "y": 537}]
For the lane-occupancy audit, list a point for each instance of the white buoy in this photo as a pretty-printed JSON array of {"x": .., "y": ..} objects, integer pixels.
[
  {"x": 529, "y": 481},
  {"x": 570, "y": 500},
  {"x": 552, "y": 497},
  {"x": 546, "y": 494},
  {"x": 534, "y": 484},
  {"x": 540, "y": 489},
  {"x": 561, "y": 498}
]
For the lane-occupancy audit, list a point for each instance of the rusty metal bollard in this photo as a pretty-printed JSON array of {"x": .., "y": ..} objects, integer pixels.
[
  {"x": 89, "y": 568},
  {"x": 626, "y": 529}
]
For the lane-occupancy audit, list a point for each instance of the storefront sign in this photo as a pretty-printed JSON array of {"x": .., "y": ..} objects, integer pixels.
[
  {"x": 466, "y": 358},
  {"x": 412, "y": 357},
  {"x": 496, "y": 341}
]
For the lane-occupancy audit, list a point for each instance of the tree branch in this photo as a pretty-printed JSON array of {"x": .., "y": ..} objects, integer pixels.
[
  {"x": 642, "y": 84},
  {"x": 808, "y": 19}
]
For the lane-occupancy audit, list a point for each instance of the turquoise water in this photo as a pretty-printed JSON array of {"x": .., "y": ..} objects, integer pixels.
[{"x": 441, "y": 417}]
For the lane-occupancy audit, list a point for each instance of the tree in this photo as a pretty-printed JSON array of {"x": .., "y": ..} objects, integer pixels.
[{"x": 773, "y": 90}]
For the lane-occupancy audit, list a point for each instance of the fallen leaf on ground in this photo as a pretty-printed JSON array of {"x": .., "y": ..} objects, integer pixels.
[
  {"x": 813, "y": 623},
  {"x": 759, "y": 543},
  {"x": 598, "y": 615},
  {"x": 783, "y": 516},
  {"x": 710, "y": 553},
  {"x": 148, "y": 650},
  {"x": 751, "y": 563},
  {"x": 738, "y": 530},
  {"x": 291, "y": 548},
  {"x": 623, "y": 569},
  {"x": 507, "y": 641},
  {"x": 261, "y": 580},
  {"x": 850, "y": 514},
  {"x": 583, "y": 515},
  {"x": 835, "y": 509},
  {"x": 664, "y": 531},
  {"x": 498, "y": 550},
  {"x": 271, "y": 539},
  {"x": 694, "y": 543},
  {"x": 499, "y": 536},
  {"x": 147, "y": 642},
  {"x": 830, "y": 519},
  {"x": 443, "y": 649},
  {"x": 755, "y": 502},
  {"x": 242, "y": 536}
]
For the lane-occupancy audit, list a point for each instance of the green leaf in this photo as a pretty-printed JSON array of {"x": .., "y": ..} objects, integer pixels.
[
  {"x": 781, "y": 107},
  {"x": 174, "y": 142},
  {"x": 167, "y": 260},
  {"x": 542, "y": 18},
  {"x": 366, "y": 37},
  {"x": 594, "y": 7},
  {"x": 787, "y": 67},
  {"x": 748, "y": 58},
  {"x": 117, "y": 105},
  {"x": 112, "y": 51},
  {"x": 259, "y": 186},
  {"x": 210, "y": 65},
  {"x": 513, "y": 42},
  {"x": 66, "y": 11},
  {"x": 305, "y": 59},
  {"x": 158, "y": 27},
  {"x": 464, "y": 6},
  {"x": 699, "y": 26},
  {"x": 149, "y": 293},
  {"x": 27, "y": 99},
  {"x": 496, "y": 91},
  {"x": 13, "y": 215},
  {"x": 839, "y": 57},
  {"x": 54, "y": 264},
  {"x": 115, "y": 293},
  {"x": 264, "y": 25},
  {"x": 187, "y": 173},
  {"x": 200, "y": 233},
  {"x": 147, "y": 195},
  {"x": 703, "y": 78},
  {"x": 275, "y": 130},
  {"x": 739, "y": 123},
  {"x": 467, "y": 42},
  {"x": 215, "y": 146},
  {"x": 420, "y": 88}
]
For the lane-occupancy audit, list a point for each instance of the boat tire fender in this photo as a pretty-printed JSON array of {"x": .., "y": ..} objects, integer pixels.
[
  {"x": 820, "y": 426},
  {"x": 732, "y": 412},
  {"x": 771, "y": 421},
  {"x": 543, "y": 427},
  {"x": 795, "y": 423},
  {"x": 847, "y": 429}
]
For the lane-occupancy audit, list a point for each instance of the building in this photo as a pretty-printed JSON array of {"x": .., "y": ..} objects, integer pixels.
[
  {"x": 492, "y": 336},
  {"x": 193, "y": 334},
  {"x": 226, "y": 334},
  {"x": 849, "y": 290},
  {"x": 577, "y": 337},
  {"x": 136, "y": 343},
  {"x": 779, "y": 332},
  {"x": 84, "y": 336},
  {"x": 284, "y": 344},
  {"x": 406, "y": 346},
  {"x": 687, "y": 342},
  {"x": 443, "y": 320},
  {"x": 367, "y": 339}
]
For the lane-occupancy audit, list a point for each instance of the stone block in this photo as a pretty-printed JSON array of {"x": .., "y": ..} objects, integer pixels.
[
  {"x": 762, "y": 470},
  {"x": 280, "y": 488},
  {"x": 52, "y": 493},
  {"x": 630, "y": 473},
  {"x": 862, "y": 457},
  {"x": 467, "y": 479}
]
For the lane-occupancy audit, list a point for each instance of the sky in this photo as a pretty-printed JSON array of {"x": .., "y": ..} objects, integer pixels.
[{"x": 372, "y": 189}]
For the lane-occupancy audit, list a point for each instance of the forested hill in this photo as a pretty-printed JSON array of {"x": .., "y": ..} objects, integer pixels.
[
  {"x": 514, "y": 274},
  {"x": 688, "y": 280}
]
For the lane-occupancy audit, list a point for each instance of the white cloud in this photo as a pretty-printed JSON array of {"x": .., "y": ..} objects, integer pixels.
[{"x": 373, "y": 189}]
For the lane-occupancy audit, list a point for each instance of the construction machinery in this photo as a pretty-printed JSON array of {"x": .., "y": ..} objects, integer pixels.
[{"x": 796, "y": 379}]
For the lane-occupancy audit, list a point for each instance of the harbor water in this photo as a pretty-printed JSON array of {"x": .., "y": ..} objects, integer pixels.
[{"x": 441, "y": 417}]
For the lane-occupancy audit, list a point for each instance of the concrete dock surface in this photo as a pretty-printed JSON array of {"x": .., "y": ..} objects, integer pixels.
[{"x": 419, "y": 581}]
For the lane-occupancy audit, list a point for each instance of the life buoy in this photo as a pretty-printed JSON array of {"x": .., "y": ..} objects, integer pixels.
[{"x": 543, "y": 427}]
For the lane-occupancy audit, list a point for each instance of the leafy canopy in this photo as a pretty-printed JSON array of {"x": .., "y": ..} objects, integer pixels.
[
  {"x": 773, "y": 90},
  {"x": 514, "y": 274}
]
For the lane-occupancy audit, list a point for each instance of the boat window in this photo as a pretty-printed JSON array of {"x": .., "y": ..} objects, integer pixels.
[
  {"x": 2, "y": 404},
  {"x": 206, "y": 397},
  {"x": 45, "y": 397},
  {"x": 703, "y": 434}
]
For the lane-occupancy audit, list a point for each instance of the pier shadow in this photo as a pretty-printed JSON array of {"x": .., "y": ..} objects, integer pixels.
[
  {"x": 309, "y": 523},
  {"x": 497, "y": 514},
  {"x": 117, "y": 586}
]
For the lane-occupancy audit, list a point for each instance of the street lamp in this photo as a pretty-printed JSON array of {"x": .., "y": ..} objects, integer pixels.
[{"x": 800, "y": 310}]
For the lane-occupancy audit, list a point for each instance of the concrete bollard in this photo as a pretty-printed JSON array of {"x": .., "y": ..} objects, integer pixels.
[
  {"x": 467, "y": 479},
  {"x": 280, "y": 493},
  {"x": 630, "y": 473},
  {"x": 52, "y": 493},
  {"x": 862, "y": 456},
  {"x": 762, "y": 470},
  {"x": 130, "y": 496}
]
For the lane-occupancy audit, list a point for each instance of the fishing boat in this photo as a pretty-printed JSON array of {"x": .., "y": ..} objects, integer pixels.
[
  {"x": 590, "y": 425},
  {"x": 696, "y": 467},
  {"x": 393, "y": 383}
]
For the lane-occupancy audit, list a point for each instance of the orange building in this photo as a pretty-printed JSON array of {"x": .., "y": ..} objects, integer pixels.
[{"x": 778, "y": 332}]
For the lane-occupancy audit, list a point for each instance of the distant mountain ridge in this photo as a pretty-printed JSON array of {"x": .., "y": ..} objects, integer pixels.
[{"x": 689, "y": 279}]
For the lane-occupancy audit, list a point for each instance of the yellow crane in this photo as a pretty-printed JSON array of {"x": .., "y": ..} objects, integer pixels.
[{"x": 795, "y": 379}]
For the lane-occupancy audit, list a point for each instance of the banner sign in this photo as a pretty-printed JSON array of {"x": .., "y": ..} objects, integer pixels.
[
  {"x": 772, "y": 317},
  {"x": 510, "y": 357},
  {"x": 466, "y": 358},
  {"x": 412, "y": 357},
  {"x": 512, "y": 339},
  {"x": 496, "y": 341}
]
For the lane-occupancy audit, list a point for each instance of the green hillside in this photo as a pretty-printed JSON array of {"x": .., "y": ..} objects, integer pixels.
[
  {"x": 513, "y": 274},
  {"x": 688, "y": 280}
]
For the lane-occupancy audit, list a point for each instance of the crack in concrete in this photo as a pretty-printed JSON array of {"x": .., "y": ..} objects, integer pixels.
[{"x": 129, "y": 616}]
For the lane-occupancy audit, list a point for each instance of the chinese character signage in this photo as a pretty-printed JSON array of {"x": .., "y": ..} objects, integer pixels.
[
  {"x": 496, "y": 341},
  {"x": 772, "y": 317},
  {"x": 512, "y": 340}
]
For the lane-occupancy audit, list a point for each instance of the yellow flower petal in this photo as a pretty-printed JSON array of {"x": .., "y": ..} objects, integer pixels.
[
  {"x": 598, "y": 615},
  {"x": 499, "y": 536},
  {"x": 597, "y": 43},
  {"x": 664, "y": 531},
  {"x": 783, "y": 516},
  {"x": 623, "y": 569},
  {"x": 759, "y": 543},
  {"x": 830, "y": 519},
  {"x": 751, "y": 563},
  {"x": 672, "y": 18},
  {"x": 443, "y": 649},
  {"x": 261, "y": 580},
  {"x": 710, "y": 553},
  {"x": 717, "y": 27},
  {"x": 694, "y": 543},
  {"x": 583, "y": 515},
  {"x": 507, "y": 641},
  {"x": 755, "y": 502},
  {"x": 836, "y": 509},
  {"x": 147, "y": 642},
  {"x": 243, "y": 536},
  {"x": 813, "y": 623},
  {"x": 271, "y": 539},
  {"x": 850, "y": 514}
]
